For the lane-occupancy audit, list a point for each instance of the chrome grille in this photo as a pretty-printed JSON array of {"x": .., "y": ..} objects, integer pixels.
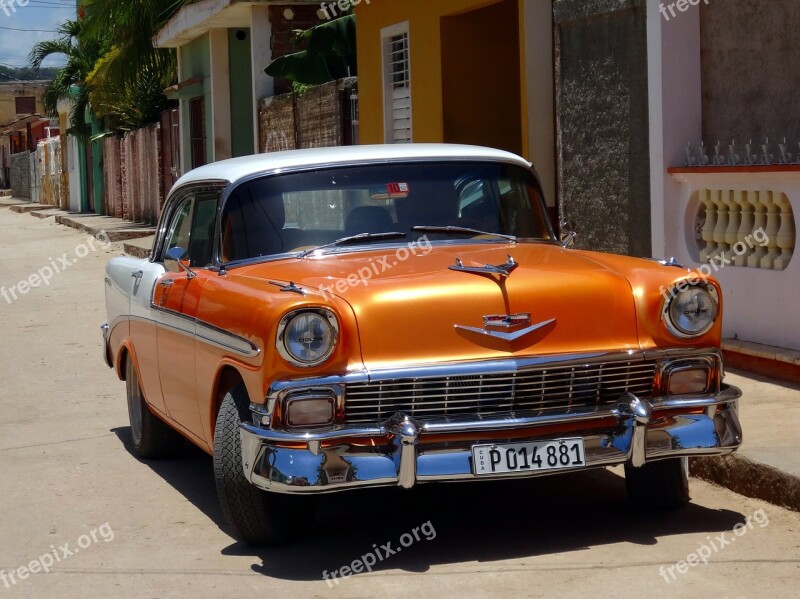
[{"x": 550, "y": 389}]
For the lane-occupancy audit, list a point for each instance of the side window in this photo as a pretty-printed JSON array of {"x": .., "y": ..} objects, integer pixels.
[
  {"x": 477, "y": 206},
  {"x": 471, "y": 193},
  {"x": 180, "y": 227},
  {"x": 201, "y": 242}
]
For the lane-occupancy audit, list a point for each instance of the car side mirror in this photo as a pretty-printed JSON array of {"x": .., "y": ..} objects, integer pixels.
[
  {"x": 567, "y": 233},
  {"x": 176, "y": 259}
]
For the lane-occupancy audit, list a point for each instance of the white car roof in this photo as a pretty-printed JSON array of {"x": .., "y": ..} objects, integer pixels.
[{"x": 236, "y": 169}]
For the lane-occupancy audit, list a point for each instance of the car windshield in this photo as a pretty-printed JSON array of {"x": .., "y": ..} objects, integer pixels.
[{"x": 295, "y": 212}]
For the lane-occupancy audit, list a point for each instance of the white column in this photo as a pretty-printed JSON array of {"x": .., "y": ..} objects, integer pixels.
[
  {"x": 675, "y": 103},
  {"x": 540, "y": 93},
  {"x": 220, "y": 94},
  {"x": 261, "y": 56}
]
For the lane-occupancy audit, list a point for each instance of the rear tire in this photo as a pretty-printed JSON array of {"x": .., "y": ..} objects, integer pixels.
[
  {"x": 256, "y": 516},
  {"x": 659, "y": 485},
  {"x": 152, "y": 438}
]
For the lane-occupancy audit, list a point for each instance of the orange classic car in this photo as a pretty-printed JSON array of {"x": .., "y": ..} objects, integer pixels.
[{"x": 332, "y": 319}]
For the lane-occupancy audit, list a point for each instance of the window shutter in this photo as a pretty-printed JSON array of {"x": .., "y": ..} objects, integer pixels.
[
  {"x": 397, "y": 88},
  {"x": 25, "y": 104}
]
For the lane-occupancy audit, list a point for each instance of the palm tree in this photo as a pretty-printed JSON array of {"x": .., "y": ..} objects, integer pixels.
[
  {"x": 70, "y": 81},
  {"x": 127, "y": 82}
]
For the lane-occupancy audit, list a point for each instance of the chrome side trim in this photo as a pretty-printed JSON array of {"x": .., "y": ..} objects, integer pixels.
[{"x": 199, "y": 330}]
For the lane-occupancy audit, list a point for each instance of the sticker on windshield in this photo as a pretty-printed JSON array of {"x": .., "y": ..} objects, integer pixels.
[{"x": 393, "y": 191}]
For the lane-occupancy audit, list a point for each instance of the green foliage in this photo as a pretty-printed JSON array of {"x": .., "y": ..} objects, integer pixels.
[
  {"x": 69, "y": 81},
  {"x": 330, "y": 54},
  {"x": 112, "y": 65}
]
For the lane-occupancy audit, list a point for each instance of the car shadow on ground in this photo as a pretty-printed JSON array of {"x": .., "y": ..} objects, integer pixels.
[{"x": 468, "y": 522}]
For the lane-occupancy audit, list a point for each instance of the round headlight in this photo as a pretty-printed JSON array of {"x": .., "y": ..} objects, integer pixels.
[
  {"x": 307, "y": 338},
  {"x": 692, "y": 311}
]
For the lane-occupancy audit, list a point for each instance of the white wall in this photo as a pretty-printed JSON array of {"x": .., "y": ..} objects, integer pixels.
[
  {"x": 261, "y": 52},
  {"x": 676, "y": 109},
  {"x": 538, "y": 25},
  {"x": 759, "y": 305}
]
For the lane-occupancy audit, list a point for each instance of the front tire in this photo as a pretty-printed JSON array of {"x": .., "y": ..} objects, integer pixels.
[
  {"x": 659, "y": 485},
  {"x": 256, "y": 516},
  {"x": 152, "y": 438}
]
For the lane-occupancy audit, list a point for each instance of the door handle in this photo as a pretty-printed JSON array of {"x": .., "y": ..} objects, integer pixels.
[
  {"x": 167, "y": 283},
  {"x": 137, "y": 274}
]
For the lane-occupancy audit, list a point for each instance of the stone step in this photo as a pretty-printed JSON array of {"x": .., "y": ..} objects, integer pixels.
[
  {"x": 105, "y": 227},
  {"x": 139, "y": 248},
  {"x": 47, "y": 213},
  {"x": 27, "y": 207}
]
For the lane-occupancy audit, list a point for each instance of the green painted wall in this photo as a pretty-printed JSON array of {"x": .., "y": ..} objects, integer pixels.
[
  {"x": 196, "y": 62},
  {"x": 241, "y": 86}
]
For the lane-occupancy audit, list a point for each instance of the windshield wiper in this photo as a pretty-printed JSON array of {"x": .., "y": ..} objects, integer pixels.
[
  {"x": 462, "y": 231},
  {"x": 354, "y": 239}
]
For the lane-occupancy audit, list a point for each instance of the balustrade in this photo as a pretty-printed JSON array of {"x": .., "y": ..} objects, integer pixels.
[{"x": 753, "y": 229}]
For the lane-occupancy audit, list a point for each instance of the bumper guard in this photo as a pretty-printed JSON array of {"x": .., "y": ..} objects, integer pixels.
[{"x": 287, "y": 462}]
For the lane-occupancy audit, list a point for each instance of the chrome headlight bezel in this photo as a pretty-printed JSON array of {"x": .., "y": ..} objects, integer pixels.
[
  {"x": 282, "y": 343},
  {"x": 676, "y": 294}
]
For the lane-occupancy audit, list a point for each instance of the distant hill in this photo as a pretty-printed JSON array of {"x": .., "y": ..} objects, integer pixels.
[{"x": 25, "y": 74}]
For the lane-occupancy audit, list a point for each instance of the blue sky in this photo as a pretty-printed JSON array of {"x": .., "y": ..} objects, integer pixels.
[{"x": 35, "y": 14}]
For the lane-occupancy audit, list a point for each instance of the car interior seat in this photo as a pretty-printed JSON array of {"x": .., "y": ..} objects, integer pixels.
[{"x": 368, "y": 219}]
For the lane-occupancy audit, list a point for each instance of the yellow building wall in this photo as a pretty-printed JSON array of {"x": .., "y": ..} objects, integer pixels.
[
  {"x": 424, "y": 17},
  {"x": 12, "y": 90}
]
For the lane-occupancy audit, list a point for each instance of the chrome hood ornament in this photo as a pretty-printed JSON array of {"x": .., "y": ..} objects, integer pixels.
[
  {"x": 506, "y": 321},
  {"x": 504, "y": 270}
]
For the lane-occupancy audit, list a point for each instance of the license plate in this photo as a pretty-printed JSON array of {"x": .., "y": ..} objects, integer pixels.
[{"x": 527, "y": 457}]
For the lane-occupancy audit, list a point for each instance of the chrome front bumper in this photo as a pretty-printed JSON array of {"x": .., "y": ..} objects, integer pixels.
[{"x": 286, "y": 462}]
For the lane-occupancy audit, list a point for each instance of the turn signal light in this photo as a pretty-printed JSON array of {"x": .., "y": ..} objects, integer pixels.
[
  {"x": 689, "y": 381},
  {"x": 310, "y": 411}
]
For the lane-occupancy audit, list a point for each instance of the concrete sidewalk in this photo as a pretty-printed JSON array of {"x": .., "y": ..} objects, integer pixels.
[
  {"x": 766, "y": 467},
  {"x": 112, "y": 229}
]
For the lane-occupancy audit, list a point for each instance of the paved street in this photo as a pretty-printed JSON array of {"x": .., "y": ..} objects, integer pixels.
[{"x": 71, "y": 490}]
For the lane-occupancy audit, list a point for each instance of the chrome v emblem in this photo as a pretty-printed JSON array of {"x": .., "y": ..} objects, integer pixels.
[
  {"x": 504, "y": 270},
  {"x": 507, "y": 336}
]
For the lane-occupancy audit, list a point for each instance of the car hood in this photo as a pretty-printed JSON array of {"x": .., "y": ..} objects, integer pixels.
[{"x": 413, "y": 308}]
